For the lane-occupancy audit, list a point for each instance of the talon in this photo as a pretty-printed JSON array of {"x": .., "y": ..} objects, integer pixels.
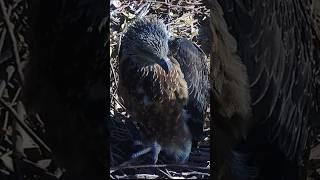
[
  {"x": 138, "y": 143},
  {"x": 156, "y": 148},
  {"x": 140, "y": 153}
]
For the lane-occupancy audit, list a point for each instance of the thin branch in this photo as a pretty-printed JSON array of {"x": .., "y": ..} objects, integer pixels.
[
  {"x": 171, "y": 5},
  {"x": 6, "y": 118},
  {"x": 158, "y": 166},
  {"x": 194, "y": 173},
  {"x": 25, "y": 127},
  {"x": 114, "y": 97},
  {"x": 166, "y": 174},
  {"x": 2, "y": 38},
  {"x": 113, "y": 72},
  {"x": 13, "y": 39},
  {"x": 32, "y": 167},
  {"x": 16, "y": 96},
  {"x": 17, "y": 148}
]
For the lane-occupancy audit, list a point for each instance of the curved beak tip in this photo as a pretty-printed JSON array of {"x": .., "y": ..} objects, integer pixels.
[{"x": 166, "y": 65}]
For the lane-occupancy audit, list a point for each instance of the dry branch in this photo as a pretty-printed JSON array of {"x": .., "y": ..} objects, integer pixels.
[{"x": 10, "y": 28}]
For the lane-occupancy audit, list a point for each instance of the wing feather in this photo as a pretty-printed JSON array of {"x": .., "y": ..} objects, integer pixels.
[
  {"x": 193, "y": 63},
  {"x": 274, "y": 41}
]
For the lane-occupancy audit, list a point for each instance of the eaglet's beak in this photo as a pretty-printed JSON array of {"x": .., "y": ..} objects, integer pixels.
[{"x": 165, "y": 64}]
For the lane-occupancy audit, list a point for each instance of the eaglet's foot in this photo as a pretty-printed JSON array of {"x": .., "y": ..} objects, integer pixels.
[{"x": 155, "y": 149}]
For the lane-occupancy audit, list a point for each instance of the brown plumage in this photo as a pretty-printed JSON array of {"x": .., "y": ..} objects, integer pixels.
[
  {"x": 154, "y": 90},
  {"x": 265, "y": 65}
]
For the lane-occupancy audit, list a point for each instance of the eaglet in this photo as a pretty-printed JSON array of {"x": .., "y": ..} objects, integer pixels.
[{"x": 163, "y": 83}]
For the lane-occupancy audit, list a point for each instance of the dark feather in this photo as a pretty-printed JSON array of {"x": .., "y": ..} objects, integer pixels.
[
  {"x": 193, "y": 64},
  {"x": 275, "y": 43}
]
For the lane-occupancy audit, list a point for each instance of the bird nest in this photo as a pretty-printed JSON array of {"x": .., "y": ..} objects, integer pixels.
[
  {"x": 23, "y": 150},
  {"x": 186, "y": 19}
]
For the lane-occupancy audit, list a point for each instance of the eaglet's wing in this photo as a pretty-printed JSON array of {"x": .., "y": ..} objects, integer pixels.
[
  {"x": 193, "y": 65},
  {"x": 275, "y": 43}
]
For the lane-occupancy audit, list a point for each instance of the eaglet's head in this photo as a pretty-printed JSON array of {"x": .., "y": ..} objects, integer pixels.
[{"x": 146, "y": 41}]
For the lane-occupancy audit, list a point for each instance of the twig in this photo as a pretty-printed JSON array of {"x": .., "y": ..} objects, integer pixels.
[
  {"x": 118, "y": 10},
  {"x": 17, "y": 148},
  {"x": 166, "y": 173},
  {"x": 39, "y": 119},
  {"x": 6, "y": 117},
  {"x": 194, "y": 3},
  {"x": 3, "y": 85},
  {"x": 2, "y": 38},
  {"x": 170, "y": 5},
  {"x": 138, "y": 176},
  {"x": 142, "y": 10},
  {"x": 25, "y": 127},
  {"x": 113, "y": 72},
  {"x": 125, "y": 164},
  {"x": 194, "y": 173},
  {"x": 114, "y": 97},
  {"x": 158, "y": 166},
  {"x": 30, "y": 166},
  {"x": 13, "y": 39},
  {"x": 16, "y": 96}
]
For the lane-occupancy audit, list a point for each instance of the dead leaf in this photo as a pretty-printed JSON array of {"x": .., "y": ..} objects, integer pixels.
[
  {"x": 116, "y": 3},
  {"x": 7, "y": 161}
]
